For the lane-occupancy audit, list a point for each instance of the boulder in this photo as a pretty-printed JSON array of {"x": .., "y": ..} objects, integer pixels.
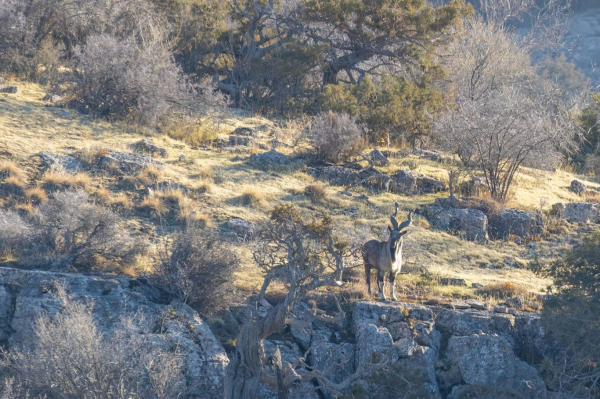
[
  {"x": 578, "y": 187},
  {"x": 341, "y": 176},
  {"x": 470, "y": 223},
  {"x": 374, "y": 345},
  {"x": 459, "y": 282},
  {"x": 579, "y": 212},
  {"x": 330, "y": 355},
  {"x": 54, "y": 99},
  {"x": 8, "y": 89},
  {"x": 240, "y": 140},
  {"x": 473, "y": 187},
  {"x": 164, "y": 323},
  {"x": 489, "y": 360},
  {"x": 431, "y": 155},
  {"x": 378, "y": 158},
  {"x": 125, "y": 162},
  {"x": 243, "y": 131},
  {"x": 147, "y": 147},
  {"x": 269, "y": 158},
  {"x": 64, "y": 163},
  {"x": 412, "y": 183},
  {"x": 516, "y": 222},
  {"x": 242, "y": 228}
]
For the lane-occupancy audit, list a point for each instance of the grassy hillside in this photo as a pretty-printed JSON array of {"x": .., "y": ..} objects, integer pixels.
[{"x": 219, "y": 185}]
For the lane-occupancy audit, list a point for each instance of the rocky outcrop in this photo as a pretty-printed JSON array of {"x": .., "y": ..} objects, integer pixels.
[
  {"x": 26, "y": 294},
  {"x": 64, "y": 163},
  {"x": 516, "y": 222},
  {"x": 431, "y": 155},
  {"x": 409, "y": 182},
  {"x": 147, "y": 147},
  {"x": 378, "y": 158},
  {"x": 578, "y": 212},
  {"x": 9, "y": 89},
  {"x": 124, "y": 162},
  {"x": 268, "y": 159},
  {"x": 242, "y": 228},
  {"x": 472, "y": 224}
]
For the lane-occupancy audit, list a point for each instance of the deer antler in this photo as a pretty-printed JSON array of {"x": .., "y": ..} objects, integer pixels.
[
  {"x": 393, "y": 217},
  {"x": 407, "y": 222}
]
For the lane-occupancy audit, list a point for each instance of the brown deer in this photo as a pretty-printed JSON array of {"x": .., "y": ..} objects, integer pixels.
[{"x": 386, "y": 256}]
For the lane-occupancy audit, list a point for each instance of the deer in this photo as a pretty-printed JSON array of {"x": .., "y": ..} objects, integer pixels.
[{"x": 386, "y": 256}]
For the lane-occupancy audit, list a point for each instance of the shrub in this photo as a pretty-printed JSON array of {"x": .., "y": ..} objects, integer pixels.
[
  {"x": 336, "y": 137},
  {"x": 315, "y": 192},
  {"x": 36, "y": 195},
  {"x": 68, "y": 230},
  {"x": 252, "y": 197},
  {"x": 502, "y": 290},
  {"x": 572, "y": 319},
  {"x": 198, "y": 267},
  {"x": 70, "y": 357},
  {"x": 120, "y": 78}
]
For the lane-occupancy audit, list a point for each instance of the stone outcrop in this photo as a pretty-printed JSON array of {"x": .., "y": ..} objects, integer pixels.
[
  {"x": 26, "y": 294},
  {"x": 125, "y": 162},
  {"x": 578, "y": 212},
  {"x": 64, "y": 163},
  {"x": 516, "y": 222},
  {"x": 268, "y": 159},
  {"x": 378, "y": 158},
  {"x": 431, "y": 155},
  {"x": 470, "y": 223},
  {"x": 8, "y": 89},
  {"x": 409, "y": 182},
  {"x": 147, "y": 147},
  {"x": 242, "y": 228}
]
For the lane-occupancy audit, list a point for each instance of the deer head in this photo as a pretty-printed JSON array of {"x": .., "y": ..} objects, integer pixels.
[{"x": 398, "y": 230}]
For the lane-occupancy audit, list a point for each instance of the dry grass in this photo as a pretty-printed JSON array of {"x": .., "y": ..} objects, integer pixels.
[
  {"x": 55, "y": 181},
  {"x": 10, "y": 169},
  {"x": 316, "y": 193},
  {"x": 152, "y": 206},
  {"x": 252, "y": 197},
  {"x": 36, "y": 195},
  {"x": 12, "y": 186},
  {"x": 193, "y": 133},
  {"x": 205, "y": 186},
  {"x": 503, "y": 290},
  {"x": 206, "y": 172},
  {"x": 199, "y": 219}
]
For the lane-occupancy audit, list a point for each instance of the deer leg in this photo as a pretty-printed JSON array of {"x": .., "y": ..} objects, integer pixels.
[
  {"x": 368, "y": 277},
  {"x": 380, "y": 284},
  {"x": 392, "y": 285}
]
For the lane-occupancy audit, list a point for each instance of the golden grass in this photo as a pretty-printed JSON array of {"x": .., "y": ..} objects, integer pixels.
[
  {"x": 53, "y": 181},
  {"x": 10, "y": 169},
  {"x": 35, "y": 195},
  {"x": 152, "y": 205},
  {"x": 199, "y": 219},
  {"x": 252, "y": 197},
  {"x": 205, "y": 186},
  {"x": 193, "y": 133},
  {"x": 315, "y": 192},
  {"x": 12, "y": 186}
]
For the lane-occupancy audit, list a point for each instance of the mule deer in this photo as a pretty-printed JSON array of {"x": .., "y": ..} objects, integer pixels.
[{"x": 386, "y": 256}]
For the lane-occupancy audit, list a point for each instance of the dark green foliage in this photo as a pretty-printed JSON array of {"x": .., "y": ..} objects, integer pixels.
[{"x": 572, "y": 319}]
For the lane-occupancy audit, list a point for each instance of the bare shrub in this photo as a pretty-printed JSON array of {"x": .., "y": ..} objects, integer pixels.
[
  {"x": 198, "y": 267},
  {"x": 71, "y": 357},
  {"x": 68, "y": 230},
  {"x": 122, "y": 78},
  {"x": 252, "y": 197},
  {"x": 315, "y": 193},
  {"x": 336, "y": 137},
  {"x": 503, "y": 290}
]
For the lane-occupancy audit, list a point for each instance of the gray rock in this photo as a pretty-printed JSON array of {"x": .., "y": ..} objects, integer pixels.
[
  {"x": 240, "y": 140},
  {"x": 516, "y": 222},
  {"x": 335, "y": 359},
  {"x": 476, "y": 285},
  {"x": 581, "y": 212},
  {"x": 471, "y": 223},
  {"x": 125, "y": 162},
  {"x": 242, "y": 228},
  {"x": 431, "y": 155},
  {"x": 412, "y": 183},
  {"x": 406, "y": 347},
  {"x": 459, "y": 305},
  {"x": 269, "y": 158},
  {"x": 9, "y": 89},
  {"x": 341, "y": 176},
  {"x": 516, "y": 302},
  {"x": 243, "y": 131},
  {"x": 31, "y": 294},
  {"x": 378, "y": 158},
  {"x": 374, "y": 345},
  {"x": 147, "y": 147},
  {"x": 475, "y": 304},
  {"x": 490, "y": 361},
  {"x": 458, "y": 282},
  {"x": 65, "y": 163},
  {"x": 55, "y": 99},
  {"x": 578, "y": 187}
]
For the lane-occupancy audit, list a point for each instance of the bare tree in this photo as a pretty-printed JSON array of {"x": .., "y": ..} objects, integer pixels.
[{"x": 303, "y": 257}]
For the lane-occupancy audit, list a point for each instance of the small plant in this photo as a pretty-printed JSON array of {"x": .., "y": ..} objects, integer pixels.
[
  {"x": 336, "y": 137},
  {"x": 252, "y": 197},
  {"x": 316, "y": 193},
  {"x": 36, "y": 195},
  {"x": 204, "y": 187},
  {"x": 54, "y": 181},
  {"x": 152, "y": 205},
  {"x": 12, "y": 186},
  {"x": 503, "y": 290},
  {"x": 9, "y": 169},
  {"x": 192, "y": 132}
]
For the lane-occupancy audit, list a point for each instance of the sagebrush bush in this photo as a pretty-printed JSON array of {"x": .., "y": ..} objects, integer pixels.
[
  {"x": 315, "y": 193},
  {"x": 70, "y": 357},
  {"x": 68, "y": 231},
  {"x": 336, "y": 137},
  {"x": 198, "y": 267},
  {"x": 120, "y": 78}
]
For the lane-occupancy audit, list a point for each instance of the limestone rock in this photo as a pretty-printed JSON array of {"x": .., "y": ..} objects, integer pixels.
[
  {"x": 581, "y": 212},
  {"x": 578, "y": 187},
  {"x": 125, "y": 162},
  {"x": 378, "y": 158},
  {"x": 374, "y": 345},
  {"x": 242, "y": 228},
  {"x": 516, "y": 222},
  {"x": 147, "y": 147},
  {"x": 240, "y": 140},
  {"x": 431, "y": 155},
  {"x": 490, "y": 360},
  {"x": 64, "y": 163},
  {"x": 411, "y": 183},
  {"x": 8, "y": 89},
  {"x": 471, "y": 223},
  {"x": 269, "y": 158},
  {"x": 243, "y": 131}
]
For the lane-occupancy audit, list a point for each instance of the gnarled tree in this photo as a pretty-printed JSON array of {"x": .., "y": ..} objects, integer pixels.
[{"x": 303, "y": 257}]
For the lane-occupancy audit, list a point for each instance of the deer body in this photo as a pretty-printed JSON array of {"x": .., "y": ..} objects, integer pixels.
[{"x": 385, "y": 256}]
